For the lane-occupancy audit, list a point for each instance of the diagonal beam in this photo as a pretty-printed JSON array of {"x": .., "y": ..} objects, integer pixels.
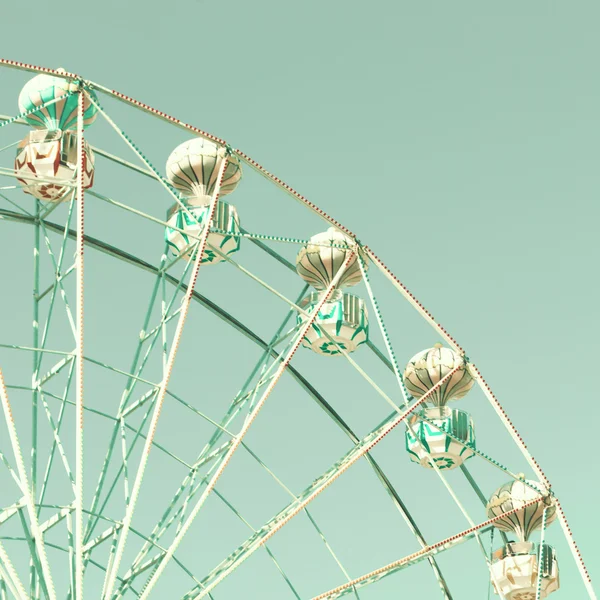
[
  {"x": 15, "y": 205},
  {"x": 61, "y": 414},
  {"x": 20, "y": 116},
  {"x": 38, "y": 381},
  {"x": 440, "y": 546},
  {"x": 167, "y": 520},
  {"x": 220, "y": 428},
  {"x": 26, "y": 489},
  {"x": 249, "y": 420},
  {"x": 111, "y": 574},
  {"x": 143, "y": 158},
  {"x": 9, "y": 575},
  {"x": 34, "y": 563},
  {"x": 137, "y": 367},
  {"x": 312, "y": 520},
  {"x": 400, "y": 565},
  {"x": 269, "y": 551}
]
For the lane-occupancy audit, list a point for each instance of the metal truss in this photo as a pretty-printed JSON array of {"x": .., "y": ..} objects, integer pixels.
[{"x": 93, "y": 538}]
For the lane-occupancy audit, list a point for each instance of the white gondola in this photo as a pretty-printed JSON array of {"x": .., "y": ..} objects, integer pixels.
[
  {"x": 319, "y": 261},
  {"x": 344, "y": 317},
  {"x": 440, "y": 434},
  {"x": 185, "y": 226},
  {"x": 46, "y": 164},
  {"x": 515, "y": 571},
  {"x": 520, "y": 507},
  {"x": 193, "y": 169}
]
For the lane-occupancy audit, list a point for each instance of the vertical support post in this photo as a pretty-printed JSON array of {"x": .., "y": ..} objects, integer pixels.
[
  {"x": 111, "y": 574},
  {"x": 79, "y": 355},
  {"x": 35, "y": 371}
]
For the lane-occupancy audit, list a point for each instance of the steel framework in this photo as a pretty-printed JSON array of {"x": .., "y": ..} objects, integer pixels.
[{"x": 89, "y": 523}]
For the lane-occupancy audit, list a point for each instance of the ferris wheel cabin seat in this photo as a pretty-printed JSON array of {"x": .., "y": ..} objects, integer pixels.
[
  {"x": 341, "y": 324},
  {"x": 192, "y": 169},
  {"x": 515, "y": 571},
  {"x": 522, "y": 507},
  {"x": 186, "y": 224},
  {"x": 439, "y": 435},
  {"x": 46, "y": 160},
  {"x": 46, "y": 164}
]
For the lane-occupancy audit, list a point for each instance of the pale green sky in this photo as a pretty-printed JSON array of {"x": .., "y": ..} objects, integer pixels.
[{"x": 457, "y": 139}]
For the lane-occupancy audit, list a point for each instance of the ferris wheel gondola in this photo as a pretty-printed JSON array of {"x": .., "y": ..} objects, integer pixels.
[
  {"x": 46, "y": 160},
  {"x": 520, "y": 567},
  {"x": 439, "y": 434}
]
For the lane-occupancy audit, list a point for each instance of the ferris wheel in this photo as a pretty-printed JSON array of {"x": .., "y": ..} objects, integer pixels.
[{"x": 185, "y": 436}]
